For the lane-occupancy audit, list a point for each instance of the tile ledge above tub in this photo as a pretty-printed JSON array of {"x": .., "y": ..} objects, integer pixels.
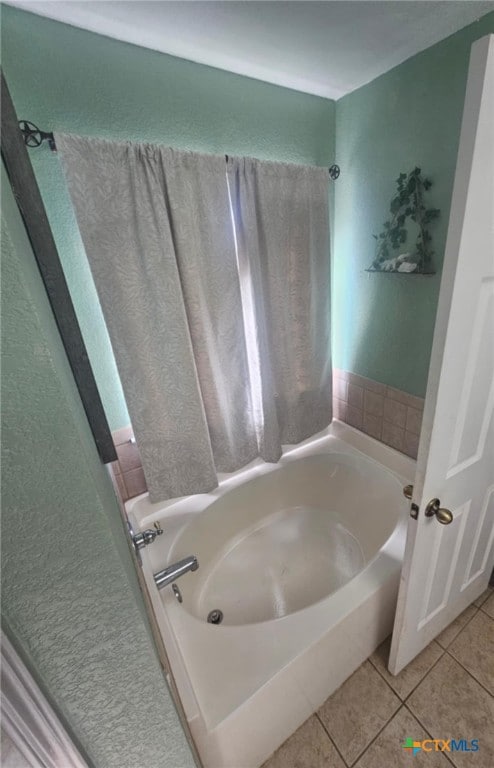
[{"x": 385, "y": 413}]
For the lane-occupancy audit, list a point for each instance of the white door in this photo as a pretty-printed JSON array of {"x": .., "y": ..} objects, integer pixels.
[{"x": 448, "y": 565}]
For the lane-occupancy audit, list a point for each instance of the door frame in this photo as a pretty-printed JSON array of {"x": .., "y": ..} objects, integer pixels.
[
  {"x": 29, "y": 720},
  {"x": 30, "y": 204}
]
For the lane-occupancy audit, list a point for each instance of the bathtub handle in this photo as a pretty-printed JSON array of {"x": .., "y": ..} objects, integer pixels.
[{"x": 143, "y": 538}]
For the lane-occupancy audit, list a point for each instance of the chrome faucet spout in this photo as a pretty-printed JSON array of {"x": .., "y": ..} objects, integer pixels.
[{"x": 173, "y": 572}]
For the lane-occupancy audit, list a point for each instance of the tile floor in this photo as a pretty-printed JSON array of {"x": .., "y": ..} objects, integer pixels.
[{"x": 446, "y": 692}]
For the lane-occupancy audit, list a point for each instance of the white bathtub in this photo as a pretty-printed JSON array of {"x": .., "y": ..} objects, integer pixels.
[{"x": 303, "y": 558}]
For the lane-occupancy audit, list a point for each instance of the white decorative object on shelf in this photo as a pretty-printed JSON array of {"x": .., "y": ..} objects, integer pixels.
[
  {"x": 406, "y": 205},
  {"x": 405, "y": 263}
]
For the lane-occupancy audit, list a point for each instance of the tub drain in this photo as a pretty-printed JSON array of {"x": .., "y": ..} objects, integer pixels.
[{"x": 215, "y": 616}]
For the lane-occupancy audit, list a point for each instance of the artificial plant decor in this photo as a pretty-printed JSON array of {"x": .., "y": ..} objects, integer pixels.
[{"x": 408, "y": 203}]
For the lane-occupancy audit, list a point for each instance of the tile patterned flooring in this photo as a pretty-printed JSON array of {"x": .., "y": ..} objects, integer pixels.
[{"x": 446, "y": 692}]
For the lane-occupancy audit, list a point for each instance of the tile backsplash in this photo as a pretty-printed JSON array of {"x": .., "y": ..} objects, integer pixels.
[
  {"x": 127, "y": 472},
  {"x": 385, "y": 413}
]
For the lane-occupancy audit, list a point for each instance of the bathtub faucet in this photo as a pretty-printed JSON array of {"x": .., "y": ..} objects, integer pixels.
[{"x": 173, "y": 572}]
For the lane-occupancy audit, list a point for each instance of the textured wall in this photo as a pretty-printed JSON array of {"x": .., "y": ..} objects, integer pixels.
[
  {"x": 72, "y": 80},
  {"x": 383, "y": 324},
  {"x": 69, "y": 593}
]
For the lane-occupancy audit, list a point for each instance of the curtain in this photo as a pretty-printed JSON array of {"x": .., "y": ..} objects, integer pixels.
[
  {"x": 281, "y": 217},
  {"x": 215, "y": 292},
  {"x": 156, "y": 226}
]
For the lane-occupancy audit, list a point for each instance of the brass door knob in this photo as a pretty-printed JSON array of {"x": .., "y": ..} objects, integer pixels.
[{"x": 434, "y": 509}]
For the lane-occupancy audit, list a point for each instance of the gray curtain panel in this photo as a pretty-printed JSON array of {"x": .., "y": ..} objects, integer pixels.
[
  {"x": 281, "y": 217},
  {"x": 215, "y": 290},
  {"x": 156, "y": 226}
]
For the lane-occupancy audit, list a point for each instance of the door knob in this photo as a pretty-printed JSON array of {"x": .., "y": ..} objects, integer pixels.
[
  {"x": 434, "y": 509},
  {"x": 408, "y": 491}
]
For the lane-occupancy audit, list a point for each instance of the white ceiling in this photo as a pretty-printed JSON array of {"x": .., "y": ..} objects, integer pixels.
[{"x": 324, "y": 48}]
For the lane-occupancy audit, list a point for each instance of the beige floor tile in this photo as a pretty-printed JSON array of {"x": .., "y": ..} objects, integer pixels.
[
  {"x": 451, "y": 704},
  {"x": 309, "y": 747},
  {"x": 387, "y": 750},
  {"x": 474, "y": 649},
  {"x": 483, "y": 597},
  {"x": 488, "y": 605},
  {"x": 356, "y": 712},
  {"x": 411, "y": 676},
  {"x": 448, "y": 635}
]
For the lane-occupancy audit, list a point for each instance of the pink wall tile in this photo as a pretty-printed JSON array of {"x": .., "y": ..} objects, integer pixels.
[
  {"x": 128, "y": 456},
  {"x": 414, "y": 420},
  {"x": 354, "y": 416},
  {"x": 373, "y": 403},
  {"x": 355, "y": 396},
  {"x": 135, "y": 482},
  {"x": 362, "y": 381},
  {"x": 411, "y": 444},
  {"x": 339, "y": 409},
  {"x": 375, "y": 386},
  {"x": 395, "y": 412},
  {"x": 404, "y": 397},
  {"x": 122, "y": 490},
  {"x": 355, "y": 378},
  {"x": 393, "y": 436},
  {"x": 340, "y": 388},
  {"x": 341, "y": 374},
  {"x": 372, "y": 425},
  {"x": 127, "y": 472}
]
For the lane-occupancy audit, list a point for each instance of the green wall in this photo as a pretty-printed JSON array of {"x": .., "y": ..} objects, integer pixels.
[
  {"x": 383, "y": 324},
  {"x": 67, "y": 79},
  {"x": 71, "y": 80},
  {"x": 70, "y": 599}
]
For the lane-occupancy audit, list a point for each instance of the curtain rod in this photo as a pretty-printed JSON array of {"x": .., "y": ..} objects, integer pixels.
[{"x": 33, "y": 137}]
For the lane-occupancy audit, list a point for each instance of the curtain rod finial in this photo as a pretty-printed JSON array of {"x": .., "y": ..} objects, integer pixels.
[
  {"x": 33, "y": 137},
  {"x": 334, "y": 172}
]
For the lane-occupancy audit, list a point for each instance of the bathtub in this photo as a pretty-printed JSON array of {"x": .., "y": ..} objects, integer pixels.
[{"x": 303, "y": 560}]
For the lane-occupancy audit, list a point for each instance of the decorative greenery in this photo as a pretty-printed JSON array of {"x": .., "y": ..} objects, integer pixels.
[{"x": 407, "y": 203}]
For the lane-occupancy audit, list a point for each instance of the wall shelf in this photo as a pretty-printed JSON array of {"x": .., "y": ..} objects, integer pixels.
[{"x": 397, "y": 272}]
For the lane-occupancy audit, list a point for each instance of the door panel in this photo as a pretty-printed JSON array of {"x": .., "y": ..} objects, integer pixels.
[
  {"x": 483, "y": 541},
  {"x": 473, "y": 422}
]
